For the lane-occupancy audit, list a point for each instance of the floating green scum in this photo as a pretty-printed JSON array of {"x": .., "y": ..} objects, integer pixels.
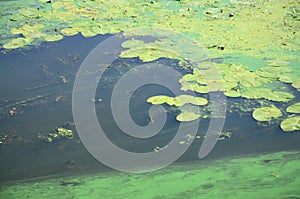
[{"x": 257, "y": 39}]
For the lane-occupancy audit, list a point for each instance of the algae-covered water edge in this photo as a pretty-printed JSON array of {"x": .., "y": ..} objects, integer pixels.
[
  {"x": 245, "y": 51},
  {"x": 274, "y": 175}
]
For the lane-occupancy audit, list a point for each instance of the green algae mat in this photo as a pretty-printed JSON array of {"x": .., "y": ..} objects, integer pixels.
[{"x": 274, "y": 175}]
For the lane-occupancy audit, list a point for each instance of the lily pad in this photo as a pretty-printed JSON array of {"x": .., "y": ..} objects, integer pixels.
[
  {"x": 132, "y": 43},
  {"x": 296, "y": 84},
  {"x": 291, "y": 124},
  {"x": 161, "y": 99},
  {"x": 256, "y": 93},
  {"x": 277, "y": 62},
  {"x": 233, "y": 93},
  {"x": 287, "y": 77},
  {"x": 187, "y": 116},
  {"x": 52, "y": 38},
  {"x": 278, "y": 96},
  {"x": 189, "y": 99},
  {"x": 294, "y": 108},
  {"x": 17, "y": 43},
  {"x": 69, "y": 31},
  {"x": 266, "y": 113}
]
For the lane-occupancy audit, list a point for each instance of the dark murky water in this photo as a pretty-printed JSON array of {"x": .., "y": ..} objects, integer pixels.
[{"x": 44, "y": 77}]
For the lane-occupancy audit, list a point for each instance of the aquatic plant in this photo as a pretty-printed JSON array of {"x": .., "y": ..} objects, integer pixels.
[
  {"x": 64, "y": 133},
  {"x": 294, "y": 108},
  {"x": 178, "y": 101},
  {"x": 187, "y": 116},
  {"x": 265, "y": 114},
  {"x": 291, "y": 124},
  {"x": 217, "y": 26}
]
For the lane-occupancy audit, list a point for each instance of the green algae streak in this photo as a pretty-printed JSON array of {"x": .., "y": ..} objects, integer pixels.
[{"x": 275, "y": 175}]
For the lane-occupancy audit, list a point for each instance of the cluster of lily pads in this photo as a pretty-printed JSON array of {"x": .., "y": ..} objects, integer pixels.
[
  {"x": 268, "y": 82},
  {"x": 60, "y": 133},
  {"x": 265, "y": 30},
  {"x": 217, "y": 25}
]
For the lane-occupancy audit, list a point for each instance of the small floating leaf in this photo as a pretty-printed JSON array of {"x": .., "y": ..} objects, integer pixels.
[
  {"x": 69, "y": 31},
  {"x": 233, "y": 93},
  {"x": 187, "y": 116},
  {"x": 267, "y": 113},
  {"x": 161, "y": 99},
  {"x": 132, "y": 43},
  {"x": 287, "y": 78},
  {"x": 277, "y": 62},
  {"x": 189, "y": 99},
  {"x": 278, "y": 96},
  {"x": 291, "y": 124},
  {"x": 51, "y": 38},
  {"x": 256, "y": 93},
  {"x": 294, "y": 108},
  {"x": 17, "y": 43}
]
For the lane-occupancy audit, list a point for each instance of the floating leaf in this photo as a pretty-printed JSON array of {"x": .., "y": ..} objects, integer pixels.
[
  {"x": 277, "y": 62},
  {"x": 69, "y": 31},
  {"x": 51, "y": 38},
  {"x": 189, "y": 99},
  {"x": 256, "y": 93},
  {"x": 278, "y": 96},
  {"x": 88, "y": 33},
  {"x": 287, "y": 77},
  {"x": 178, "y": 101},
  {"x": 294, "y": 108},
  {"x": 296, "y": 84},
  {"x": 132, "y": 43},
  {"x": 29, "y": 12},
  {"x": 187, "y": 116},
  {"x": 233, "y": 93},
  {"x": 267, "y": 113},
  {"x": 17, "y": 43},
  {"x": 185, "y": 86},
  {"x": 161, "y": 99},
  {"x": 291, "y": 124}
]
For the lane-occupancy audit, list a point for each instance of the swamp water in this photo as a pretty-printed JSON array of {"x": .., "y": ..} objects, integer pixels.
[
  {"x": 254, "y": 46},
  {"x": 43, "y": 77}
]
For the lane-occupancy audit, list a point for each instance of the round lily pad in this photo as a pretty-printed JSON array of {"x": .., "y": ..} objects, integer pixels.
[
  {"x": 187, "y": 116},
  {"x": 266, "y": 113},
  {"x": 291, "y": 124},
  {"x": 278, "y": 96},
  {"x": 233, "y": 93},
  {"x": 69, "y": 31},
  {"x": 294, "y": 108},
  {"x": 132, "y": 43},
  {"x": 51, "y": 38},
  {"x": 161, "y": 99}
]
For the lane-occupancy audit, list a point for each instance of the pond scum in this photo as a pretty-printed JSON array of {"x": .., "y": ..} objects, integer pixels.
[
  {"x": 274, "y": 175},
  {"x": 257, "y": 39}
]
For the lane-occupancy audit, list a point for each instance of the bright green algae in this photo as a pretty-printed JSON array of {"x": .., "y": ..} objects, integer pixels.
[
  {"x": 275, "y": 175},
  {"x": 274, "y": 22}
]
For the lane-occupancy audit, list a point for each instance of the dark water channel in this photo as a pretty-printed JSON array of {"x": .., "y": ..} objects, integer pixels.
[{"x": 36, "y": 85}]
